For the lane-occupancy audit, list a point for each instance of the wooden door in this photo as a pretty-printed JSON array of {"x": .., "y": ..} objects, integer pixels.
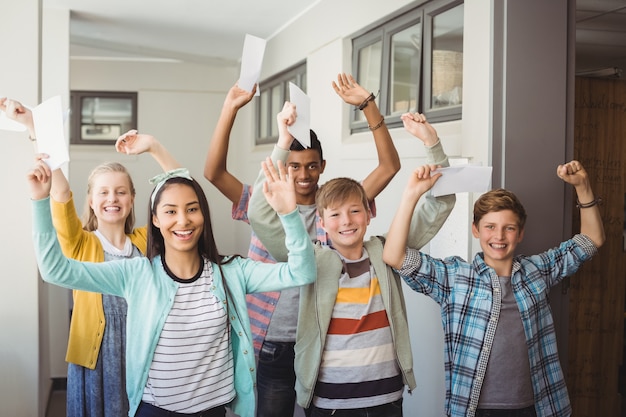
[{"x": 596, "y": 306}]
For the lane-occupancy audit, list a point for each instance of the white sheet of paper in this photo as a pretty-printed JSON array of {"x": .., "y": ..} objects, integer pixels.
[
  {"x": 462, "y": 179},
  {"x": 48, "y": 121},
  {"x": 301, "y": 128},
  {"x": 251, "y": 62}
]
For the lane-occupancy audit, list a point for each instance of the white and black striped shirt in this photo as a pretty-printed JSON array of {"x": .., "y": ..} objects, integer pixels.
[{"x": 192, "y": 369}]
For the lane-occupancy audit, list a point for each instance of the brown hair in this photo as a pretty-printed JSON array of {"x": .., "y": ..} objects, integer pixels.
[
  {"x": 90, "y": 220},
  {"x": 337, "y": 191},
  {"x": 499, "y": 200}
]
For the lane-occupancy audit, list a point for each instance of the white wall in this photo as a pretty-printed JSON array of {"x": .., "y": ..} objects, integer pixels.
[
  {"x": 20, "y": 392},
  {"x": 55, "y": 81}
]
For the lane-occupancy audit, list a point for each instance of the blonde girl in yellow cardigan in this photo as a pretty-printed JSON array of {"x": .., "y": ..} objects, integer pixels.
[{"x": 95, "y": 353}]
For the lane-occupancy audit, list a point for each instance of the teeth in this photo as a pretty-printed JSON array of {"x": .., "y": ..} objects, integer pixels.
[
  {"x": 111, "y": 209},
  {"x": 185, "y": 233},
  {"x": 496, "y": 246}
]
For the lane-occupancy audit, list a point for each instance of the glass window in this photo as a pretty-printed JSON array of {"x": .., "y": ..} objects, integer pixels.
[
  {"x": 447, "y": 59},
  {"x": 405, "y": 66},
  {"x": 414, "y": 59},
  {"x": 274, "y": 93},
  {"x": 369, "y": 70}
]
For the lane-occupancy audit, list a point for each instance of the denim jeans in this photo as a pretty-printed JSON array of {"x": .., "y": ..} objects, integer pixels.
[
  {"x": 392, "y": 409},
  {"x": 276, "y": 379}
]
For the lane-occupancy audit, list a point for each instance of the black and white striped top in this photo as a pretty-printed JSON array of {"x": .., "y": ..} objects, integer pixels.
[{"x": 192, "y": 369}]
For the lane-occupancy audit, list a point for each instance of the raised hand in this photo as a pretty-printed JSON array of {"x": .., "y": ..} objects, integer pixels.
[
  {"x": 238, "y": 97},
  {"x": 279, "y": 188},
  {"x": 416, "y": 124},
  {"x": 16, "y": 111},
  {"x": 349, "y": 90},
  {"x": 421, "y": 180},
  {"x": 133, "y": 143},
  {"x": 573, "y": 173},
  {"x": 39, "y": 180},
  {"x": 285, "y": 118}
]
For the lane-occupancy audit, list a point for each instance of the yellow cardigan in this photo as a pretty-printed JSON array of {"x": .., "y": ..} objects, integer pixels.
[{"x": 87, "y": 324}]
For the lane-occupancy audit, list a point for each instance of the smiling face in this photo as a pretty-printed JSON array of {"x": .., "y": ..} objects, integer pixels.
[
  {"x": 499, "y": 233},
  {"x": 307, "y": 168},
  {"x": 179, "y": 218},
  {"x": 111, "y": 198},
  {"x": 346, "y": 224}
]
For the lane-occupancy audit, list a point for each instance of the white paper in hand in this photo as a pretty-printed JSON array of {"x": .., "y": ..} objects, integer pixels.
[
  {"x": 301, "y": 128},
  {"x": 48, "y": 121},
  {"x": 251, "y": 62},
  {"x": 462, "y": 179}
]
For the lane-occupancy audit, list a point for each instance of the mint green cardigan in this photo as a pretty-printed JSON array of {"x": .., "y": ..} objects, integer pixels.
[{"x": 149, "y": 292}]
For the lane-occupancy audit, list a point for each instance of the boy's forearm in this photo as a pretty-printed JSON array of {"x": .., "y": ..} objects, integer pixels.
[
  {"x": 388, "y": 158},
  {"x": 218, "y": 147},
  {"x": 590, "y": 218},
  {"x": 435, "y": 155},
  {"x": 395, "y": 242}
]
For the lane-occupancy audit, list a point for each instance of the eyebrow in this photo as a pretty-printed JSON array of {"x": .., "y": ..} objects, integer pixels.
[{"x": 191, "y": 203}]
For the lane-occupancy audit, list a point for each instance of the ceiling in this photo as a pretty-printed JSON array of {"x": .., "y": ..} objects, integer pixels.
[{"x": 213, "y": 31}]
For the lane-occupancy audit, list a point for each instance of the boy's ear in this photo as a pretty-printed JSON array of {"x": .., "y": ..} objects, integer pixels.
[
  {"x": 322, "y": 166},
  {"x": 475, "y": 230},
  {"x": 521, "y": 236}
]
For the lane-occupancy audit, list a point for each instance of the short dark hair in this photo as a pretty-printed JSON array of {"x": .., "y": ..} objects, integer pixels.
[
  {"x": 499, "y": 200},
  {"x": 315, "y": 144}
]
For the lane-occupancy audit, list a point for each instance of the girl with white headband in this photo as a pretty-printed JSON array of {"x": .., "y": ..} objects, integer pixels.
[{"x": 189, "y": 347}]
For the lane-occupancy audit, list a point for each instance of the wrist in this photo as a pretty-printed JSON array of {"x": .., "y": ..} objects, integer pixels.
[{"x": 366, "y": 101}]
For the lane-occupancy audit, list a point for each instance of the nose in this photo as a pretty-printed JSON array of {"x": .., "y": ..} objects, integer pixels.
[{"x": 182, "y": 218}]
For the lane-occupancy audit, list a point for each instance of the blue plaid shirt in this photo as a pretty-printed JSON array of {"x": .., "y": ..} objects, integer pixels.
[{"x": 469, "y": 296}]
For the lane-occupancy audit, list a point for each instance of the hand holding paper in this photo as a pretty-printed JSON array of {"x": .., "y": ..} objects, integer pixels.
[
  {"x": 251, "y": 61},
  {"x": 300, "y": 129},
  {"x": 462, "y": 179}
]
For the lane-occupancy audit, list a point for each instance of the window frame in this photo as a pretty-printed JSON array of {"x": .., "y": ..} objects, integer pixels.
[
  {"x": 383, "y": 30},
  {"x": 282, "y": 80},
  {"x": 431, "y": 10},
  {"x": 76, "y": 102}
]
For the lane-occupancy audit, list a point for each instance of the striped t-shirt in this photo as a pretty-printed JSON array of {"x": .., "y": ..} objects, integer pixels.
[
  {"x": 192, "y": 368},
  {"x": 359, "y": 367}
]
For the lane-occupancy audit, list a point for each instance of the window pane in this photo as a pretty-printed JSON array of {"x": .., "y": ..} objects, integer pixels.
[
  {"x": 406, "y": 54},
  {"x": 264, "y": 115},
  {"x": 277, "y": 105},
  {"x": 369, "y": 65},
  {"x": 447, "y": 58}
]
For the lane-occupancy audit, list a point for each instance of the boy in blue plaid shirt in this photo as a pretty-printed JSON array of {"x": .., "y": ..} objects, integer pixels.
[{"x": 500, "y": 354}]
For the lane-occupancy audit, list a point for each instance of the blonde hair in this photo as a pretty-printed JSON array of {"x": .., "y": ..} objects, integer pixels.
[
  {"x": 90, "y": 220},
  {"x": 337, "y": 191}
]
